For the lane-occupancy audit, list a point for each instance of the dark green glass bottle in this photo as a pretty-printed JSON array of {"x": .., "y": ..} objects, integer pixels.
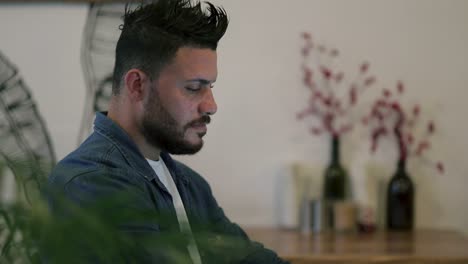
[
  {"x": 335, "y": 175},
  {"x": 400, "y": 200}
]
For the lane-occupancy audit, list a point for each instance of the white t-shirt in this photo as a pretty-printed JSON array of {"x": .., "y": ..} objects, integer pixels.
[{"x": 165, "y": 177}]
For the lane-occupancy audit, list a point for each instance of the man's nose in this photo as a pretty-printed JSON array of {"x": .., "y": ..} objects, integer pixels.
[{"x": 208, "y": 105}]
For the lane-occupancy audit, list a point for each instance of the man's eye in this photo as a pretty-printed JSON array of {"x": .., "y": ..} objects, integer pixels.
[{"x": 193, "y": 88}]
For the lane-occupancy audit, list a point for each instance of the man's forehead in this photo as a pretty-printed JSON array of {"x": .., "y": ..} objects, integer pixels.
[{"x": 196, "y": 64}]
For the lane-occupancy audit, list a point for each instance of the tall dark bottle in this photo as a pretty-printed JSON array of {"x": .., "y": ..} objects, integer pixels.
[
  {"x": 335, "y": 181},
  {"x": 400, "y": 200}
]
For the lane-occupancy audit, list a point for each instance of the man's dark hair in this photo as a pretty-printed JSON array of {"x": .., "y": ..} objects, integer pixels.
[{"x": 153, "y": 32}]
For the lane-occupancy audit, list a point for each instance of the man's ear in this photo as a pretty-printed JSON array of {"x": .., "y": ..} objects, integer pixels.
[{"x": 136, "y": 81}]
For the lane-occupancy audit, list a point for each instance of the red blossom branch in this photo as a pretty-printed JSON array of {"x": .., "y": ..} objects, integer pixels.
[
  {"x": 387, "y": 114},
  {"x": 329, "y": 109}
]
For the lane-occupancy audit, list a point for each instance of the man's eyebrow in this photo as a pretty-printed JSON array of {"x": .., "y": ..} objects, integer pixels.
[{"x": 202, "y": 81}]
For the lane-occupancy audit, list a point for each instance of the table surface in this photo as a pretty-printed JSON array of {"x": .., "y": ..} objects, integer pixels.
[{"x": 419, "y": 246}]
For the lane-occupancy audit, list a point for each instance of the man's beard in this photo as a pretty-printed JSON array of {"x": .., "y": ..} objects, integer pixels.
[{"x": 161, "y": 130}]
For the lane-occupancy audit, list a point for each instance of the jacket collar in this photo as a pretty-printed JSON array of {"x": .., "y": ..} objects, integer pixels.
[
  {"x": 173, "y": 168},
  {"x": 127, "y": 147}
]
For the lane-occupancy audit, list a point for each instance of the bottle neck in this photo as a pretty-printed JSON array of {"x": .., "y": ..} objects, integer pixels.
[
  {"x": 401, "y": 169},
  {"x": 335, "y": 151}
]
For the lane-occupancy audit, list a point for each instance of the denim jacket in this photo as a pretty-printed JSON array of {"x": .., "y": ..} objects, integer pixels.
[{"x": 108, "y": 165}]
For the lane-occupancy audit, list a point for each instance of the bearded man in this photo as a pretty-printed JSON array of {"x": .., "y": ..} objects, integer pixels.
[{"x": 123, "y": 177}]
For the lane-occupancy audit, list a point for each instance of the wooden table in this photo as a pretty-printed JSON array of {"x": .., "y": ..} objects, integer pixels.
[{"x": 421, "y": 246}]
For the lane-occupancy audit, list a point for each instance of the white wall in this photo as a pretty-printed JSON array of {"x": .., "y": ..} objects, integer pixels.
[{"x": 254, "y": 135}]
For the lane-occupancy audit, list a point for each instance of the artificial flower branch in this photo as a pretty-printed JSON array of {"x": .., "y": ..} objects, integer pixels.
[
  {"x": 388, "y": 117},
  {"x": 325, "y": 83}
]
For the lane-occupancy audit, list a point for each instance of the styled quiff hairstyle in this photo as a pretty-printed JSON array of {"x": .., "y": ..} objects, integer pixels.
[{"x": 153, "y": 32}]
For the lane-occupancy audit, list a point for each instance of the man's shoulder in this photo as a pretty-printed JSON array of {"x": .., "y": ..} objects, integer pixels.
[
  {"x": 87, "y": 161},
  {"x": 67, "y": 171},
  {"x": 92, "y": 182}
]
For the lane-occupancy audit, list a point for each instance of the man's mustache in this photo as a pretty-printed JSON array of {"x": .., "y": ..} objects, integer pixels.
[{"x": 202, "y": 120}]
